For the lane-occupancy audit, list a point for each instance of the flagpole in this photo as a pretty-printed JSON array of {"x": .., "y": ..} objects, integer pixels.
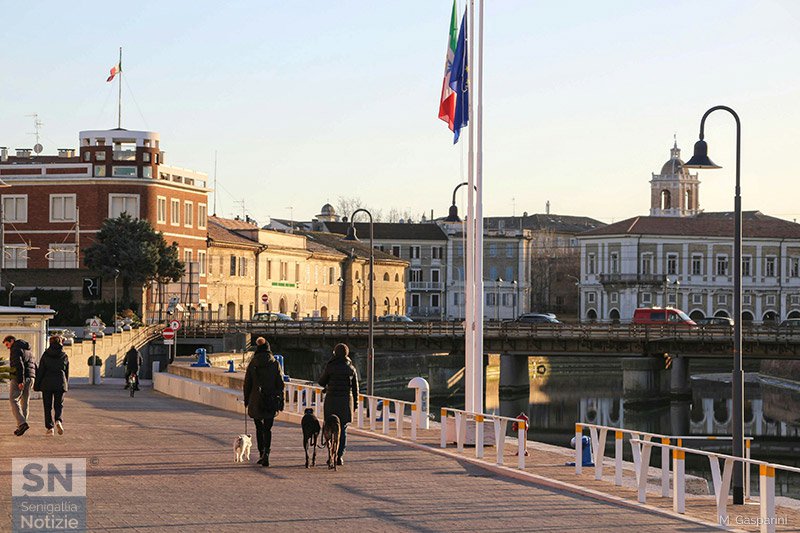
[
  {"x": 475, "y": 298},
  {"x": 478, "y": 387},
  {"x": 119, "y": 98}
]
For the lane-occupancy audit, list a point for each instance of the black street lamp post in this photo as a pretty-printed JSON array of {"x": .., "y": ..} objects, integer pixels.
[
  {"x": 497, "y": 303},
  {"x": 340, "y": 282},
  {"x": 516, "y": 298},
  {"x": 351, "y": 236},
  {"x": 700, "y": 159},
  {"x": 316, "y": 294},
  {"x": 116, "y": 325}
]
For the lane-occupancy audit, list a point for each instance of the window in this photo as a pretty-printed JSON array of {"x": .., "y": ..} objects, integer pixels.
[
  {"x": 591, "y": 265},
  {"x": 458, "y": 298},
  {"x": 396, "y": 251},
  {"x": 161, "y": 208},
  {"x": 508, "y": 299},
  {"x": 187, "y": 257},
  {"x": 62, "y": 255},
  {"x": 591, "y": 297},
  {"x": 697, "y": 299},
  {"x": 697, "y": 265},
  {"x": 458, "y": 274},
  {"x": 510, "y": 250},
  {"x": 124, "y": 172},
  {"x": 647, "y": 263},
  {"x": 770, "y": 299},
  {"x": 671, "y": 299},
  {"x": 87, "y": 156},
  {"x": 493, "y": 273},
  {"x": 493, "y": 250},
  {"x": 722, "y": 299},
  {"x": 459, "y": 250},
  {"x": 614, "y": 263},
  {"x": 62, "y": 208},
  {"x": 434, "y": 300},
  {"x": 16, "y": 256},
  {"x": 794, "y": 299},
  {"x": 285, "y": 271},
  {"x": 415, "y": 300},
  {"x": 147, "y": 172},
  {"x": 415, "y": 252},
  {"x": 510, "y": 274},
  {"x": 795, "y": 267},
  {"x": 614, "y": 297},
  {"x": 672, "y": 264},
  {"x": 491, "y": 299},
  {"x": 123, "y": 203},
  {"x": 15, "y": 207},
  {"x": 435, "y": 276},
  {"x": 415, "y": 275},
  {"x": 100, "y": 155},
  {"x": 436, "y": 252},
  {"x": 233, "y": 265},
  {"x": 769, "y": 269},
  {"x": 201, "y": 260},
  {"x": 202, "y": 215},
  {"x": 188, "y": 214},
  {"x": 100, "y": 171},
  {"x": 646, "y": 298},
  {"x": 747, "y": 265},
  {"x": 722, "y": 265},
  {"x": 175, "y": 212},
  {"x": 747, "y": 299},
  {"x": 243, "y": 266}
]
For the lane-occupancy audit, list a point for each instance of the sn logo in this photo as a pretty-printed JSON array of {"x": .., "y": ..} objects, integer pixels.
[{"x": 49, "y": 477}]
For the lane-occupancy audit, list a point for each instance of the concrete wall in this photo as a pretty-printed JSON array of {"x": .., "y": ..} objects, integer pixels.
[{"x": 111, "y": 350}]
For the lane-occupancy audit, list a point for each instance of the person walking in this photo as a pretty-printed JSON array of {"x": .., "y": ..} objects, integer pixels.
[
  {"x": 52, "y": 379},
  {"x": 133, "y": 361},
  {"x": 340, "y": 380},
  {"x": 263, "y": 395},
  {"x": 19, "y": 387}
]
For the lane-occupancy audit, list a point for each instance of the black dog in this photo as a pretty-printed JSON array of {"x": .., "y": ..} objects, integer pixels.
[
  {"x": 311, "y": 429},
  {"x": 330, "y": 438}
]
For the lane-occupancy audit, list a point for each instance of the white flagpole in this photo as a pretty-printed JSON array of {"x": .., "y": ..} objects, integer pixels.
[
  {"x": 469, "y": 224},
  {"x": 479, "y": 295},
  {"x": 119, "y": 98}
]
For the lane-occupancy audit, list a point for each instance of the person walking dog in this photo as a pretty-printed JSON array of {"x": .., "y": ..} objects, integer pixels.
[
  {"x": 52, "y": 379},
  {"x": 340, "y": 380},
  {"x": 19, "y": 388},
  {"x": 263, "y": 395}
]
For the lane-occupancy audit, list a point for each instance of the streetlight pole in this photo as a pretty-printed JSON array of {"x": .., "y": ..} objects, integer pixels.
[
  {"x": 516, "y": 298},
  {"x": 116, "y": 275},
  {"x": 316, "y": 294},
  {"x": 351, "y": 236},
  {"x": 700, "y": 159},
  {"x": 11, "y": 288},
  {"x": 497, "y": 303},
  {"x": 340, "y": 282}
]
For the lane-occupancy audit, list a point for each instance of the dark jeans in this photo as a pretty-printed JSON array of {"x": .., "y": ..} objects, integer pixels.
[
  {"x": 342, "y": 440},
  {"x": 263, "y": 434},
  {"x": 53, "y": 400}
]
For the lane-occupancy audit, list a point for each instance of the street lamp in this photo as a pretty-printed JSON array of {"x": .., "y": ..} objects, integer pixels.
[
  {"x": 516, "y": 298},
  {"x": 667, "y": 283},
  {"x": 316, "y": 294},
  {"x": 497, "y": 303},
  {"x": 351, "y": 236},
  {"x": 453, "y": 214},
  {"x": 700, "y": 159},
  {"x": 11, "y": 288},
  {"x": 340, "y": 282},
  {"x": 116, "y": 322}
]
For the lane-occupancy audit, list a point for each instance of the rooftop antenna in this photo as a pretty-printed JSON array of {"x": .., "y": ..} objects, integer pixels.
[
  {"x": 215, "y": 183},
  {"x": 241, "y": 202},
  {"x": 291, "y": 219},
  {"x": 37, "y": 125},
  {"x": 547, "y": 207},
  {"x": 513, "y": 206}
]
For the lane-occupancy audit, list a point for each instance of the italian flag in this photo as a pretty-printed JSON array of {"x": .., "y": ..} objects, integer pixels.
[
  {"x": 447, "y": 103},
  {"x": 116, "y": 69}
]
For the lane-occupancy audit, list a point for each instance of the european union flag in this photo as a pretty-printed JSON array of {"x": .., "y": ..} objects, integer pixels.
[{"x": 459, "y": 81}]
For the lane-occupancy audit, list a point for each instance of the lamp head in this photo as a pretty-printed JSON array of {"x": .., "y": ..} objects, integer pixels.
[
  {"x": 351, "y": 233},
  {"x": 700, "y": 158},
  {"x": 453, "y": 214}
]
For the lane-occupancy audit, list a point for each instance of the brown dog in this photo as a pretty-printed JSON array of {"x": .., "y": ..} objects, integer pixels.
[{"x": 330, "y": 438}]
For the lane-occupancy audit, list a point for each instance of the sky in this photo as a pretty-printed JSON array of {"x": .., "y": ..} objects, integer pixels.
[{"x": 307, "y": 102}]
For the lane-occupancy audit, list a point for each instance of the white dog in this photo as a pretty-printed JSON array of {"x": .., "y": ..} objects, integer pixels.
[{"x": 241, "y": 448}]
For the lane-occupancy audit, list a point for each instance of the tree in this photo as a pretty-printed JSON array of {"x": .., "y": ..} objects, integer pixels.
[{"x": 133, "y": 247}]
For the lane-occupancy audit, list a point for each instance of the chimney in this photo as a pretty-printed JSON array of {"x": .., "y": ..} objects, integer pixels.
[
  {"x": 23, "y": 152},
  {"x": 547, "y": 207},
  {"x": 3, "y": 154},
  {"x": 66, "y": 152},
  {"x": 431, "y": 215}
]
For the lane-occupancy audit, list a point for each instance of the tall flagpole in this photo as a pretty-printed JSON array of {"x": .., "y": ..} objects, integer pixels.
[
  {"x": 479, "y": 298},
  {"x": 472, "y": 300},
  {"x": 119, "y": 99}
]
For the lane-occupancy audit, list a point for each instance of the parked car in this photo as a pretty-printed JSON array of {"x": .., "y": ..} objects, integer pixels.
[
  {"x": 538, "y": 318},
  {"x": 790, "y": 325},
  {"x": 662, "y": 316},
  {"x": 271, "y": 317},
  {"x": 714, "y": 321},
  {"x": 394, "y": 318}
]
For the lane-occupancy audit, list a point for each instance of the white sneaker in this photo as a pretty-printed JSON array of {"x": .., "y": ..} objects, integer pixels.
[
  {"x": 49, "y": 432},
  {"x": 59, "y": 427}
]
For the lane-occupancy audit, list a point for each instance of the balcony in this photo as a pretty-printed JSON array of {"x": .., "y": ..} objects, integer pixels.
[
  {"x": 424, "y": 312},
  {"x": 124, "y": 155},
  {"x": 632, "y": 279},
  {"x": 425, "y": 286}
]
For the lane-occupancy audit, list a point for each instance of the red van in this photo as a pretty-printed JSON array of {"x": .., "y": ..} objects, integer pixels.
[{"x": 662, "y": 316}]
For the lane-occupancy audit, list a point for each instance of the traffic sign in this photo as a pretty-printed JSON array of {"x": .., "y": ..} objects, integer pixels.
[
  {"x": 94, "y": 325},
  {"x": 265, "y": 297},
  {"x": 175, "y": 325},
  {"x": 168, "y": 334}
]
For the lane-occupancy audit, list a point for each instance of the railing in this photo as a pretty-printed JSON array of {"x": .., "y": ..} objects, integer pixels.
[
  {"x": 599, "y": 434},
  {"x": 299, "y": 395},
  {"x": 722, "y": 481},
  {"x": 379, "y": 409},
  {"x": 425, "y": 286},
  {"x": 460, "y": 419}
]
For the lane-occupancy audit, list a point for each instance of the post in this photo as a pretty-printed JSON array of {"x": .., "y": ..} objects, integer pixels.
[
  {"x": 385, "y": 409},
  {"x": 443, "y": 436},
  {"x": 678, "y": 481},
  {"x": 618, "y": 458},
  {"x": 522, "y": 437},
  {"x": 500, "y": 438},
  {"x": 767, "y": 497},
  {"x": 360, "y": 412},
  {"x": 414, "y": 422},
  {"x": 665, "y": 467},
  {"x": 578, "y": 448},
  {"x": 479, "y": 436}
]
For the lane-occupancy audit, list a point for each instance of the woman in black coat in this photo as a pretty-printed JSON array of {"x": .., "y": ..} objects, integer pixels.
[
  {"x": 52, "y": 378},
  {"x": 263, "y": 385},
  {"x": 340, "y": 380}
]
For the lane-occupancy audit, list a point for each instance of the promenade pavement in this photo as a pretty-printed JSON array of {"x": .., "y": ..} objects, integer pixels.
[{"x": 155, "y": 463}]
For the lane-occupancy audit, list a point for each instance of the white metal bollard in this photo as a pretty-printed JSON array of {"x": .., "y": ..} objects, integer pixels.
[
  {"x": 665, "y": 468},
  {"x": 618, "y": 440},
  {"x": 747, "y": 467},
  {"x": 644, "y": 466},
  {"x": 373, "y": 405},
  {"x": 767, "y": 497},
  {"x": 578, "y": 448},
  {"x": 479, "y": 436},
  {"x": 459, "y": 432},
  {"x": 443, "y": 444},
  {"x": 360, "y": 411},
  {"x": 414, "y": 422},
  {"x": 385, "y": 412},
  {"x": 678, "y": 480},
  {"x": 522, "y": 436},
  {"x": 599, "y": 443},
  {"x": 399, "y": 411},
  {"x": 500, "y": 438},
  {"x": 290, "y": 392},
  {"x": 299, "y": 405}
]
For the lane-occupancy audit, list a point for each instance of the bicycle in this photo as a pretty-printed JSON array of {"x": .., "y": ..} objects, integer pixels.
[{"x": 133, "y": 382}]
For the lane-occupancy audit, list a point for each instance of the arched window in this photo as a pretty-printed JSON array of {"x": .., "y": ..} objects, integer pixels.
[
  {"x": 614, "y": 316},
  {"x": 722, "y": 314},
  {"x": 396, "y": 278},
  {"x": 747, "y": 316},
  {"x": 386, "y": 277},
  {"x": 696, "y": 315},
  {"x": 666, "y": 200},
  {"x": 387, "y": 305},
  {"x": 591, "y": 315}
]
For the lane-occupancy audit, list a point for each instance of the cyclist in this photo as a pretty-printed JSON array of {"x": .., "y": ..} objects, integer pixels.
[{"x": 133, "y": 360}]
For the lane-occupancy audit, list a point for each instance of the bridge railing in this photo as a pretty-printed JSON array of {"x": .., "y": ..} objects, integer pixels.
[
  {"x": 722, "y": 480},
  {"x": 461, "y": 419},
  {"x": 374, "y": 409},
  {"x": 298, "y": 395},
  {"x": 599, "y": 434}
]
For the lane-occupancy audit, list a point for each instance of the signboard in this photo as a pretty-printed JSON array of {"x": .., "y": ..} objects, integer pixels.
[
  {"x": 168, "y": 334},
  {"x": 91, "y": 288},
  {"x": 175, "y": 325},
  {"x": 265, "y": 297},
  {"x": 95, "y": 325},
  {"x": 169, "y": 342}
]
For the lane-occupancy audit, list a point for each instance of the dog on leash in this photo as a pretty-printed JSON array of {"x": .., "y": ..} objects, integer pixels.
[
  {"x": 330, "y": 438},
  {"x": 241, "y": 448},
  {"x": 311, "y": 429}
]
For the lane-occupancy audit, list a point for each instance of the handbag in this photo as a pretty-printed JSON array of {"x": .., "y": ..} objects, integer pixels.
[{"x": 273, "y": 402}]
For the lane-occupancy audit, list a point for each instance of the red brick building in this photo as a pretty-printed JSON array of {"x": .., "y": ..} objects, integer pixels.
[{"x": 55, "y": 205}]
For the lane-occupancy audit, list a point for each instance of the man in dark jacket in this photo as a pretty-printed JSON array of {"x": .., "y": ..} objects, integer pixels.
[
  {"x": 263, "y": 384},
  {"x": 24, "y": 367},
  {"x": 52, "y": 378},
  {"x": 340, "y": 380},
  {"x": 133, "y": 361}
]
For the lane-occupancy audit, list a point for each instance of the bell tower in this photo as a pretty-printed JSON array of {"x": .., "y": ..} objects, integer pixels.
[{"x": 674, "y": 192}]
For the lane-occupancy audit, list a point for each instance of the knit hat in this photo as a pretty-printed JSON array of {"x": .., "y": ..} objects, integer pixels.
[
  {"x": 261, "y": 341},
  {"x": 341, "y": 350}
]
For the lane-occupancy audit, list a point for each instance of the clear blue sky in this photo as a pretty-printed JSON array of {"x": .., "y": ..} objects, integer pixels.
[{"x": 308, "y": 101}]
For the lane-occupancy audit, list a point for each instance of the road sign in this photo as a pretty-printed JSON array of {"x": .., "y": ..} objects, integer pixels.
[
  {"x": 168, "y": 334},
  {"x": 169, "y": 342},
  {"x": 95, "y": 325},
  {"x": 175, "y": 325},
  {"x": 265, "y": 297}
]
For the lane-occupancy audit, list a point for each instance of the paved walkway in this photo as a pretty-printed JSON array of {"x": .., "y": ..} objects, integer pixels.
[{"x": 158, "y": 464}]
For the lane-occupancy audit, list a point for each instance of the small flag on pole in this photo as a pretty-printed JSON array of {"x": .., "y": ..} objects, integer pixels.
[
  {"x": 116, "y": 69},
  {"x": 459, "y": 81},
  {"x": 447, "y": 103}
]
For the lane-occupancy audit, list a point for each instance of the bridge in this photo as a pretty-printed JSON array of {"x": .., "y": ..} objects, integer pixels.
[{"x": 513, "y": 338}]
